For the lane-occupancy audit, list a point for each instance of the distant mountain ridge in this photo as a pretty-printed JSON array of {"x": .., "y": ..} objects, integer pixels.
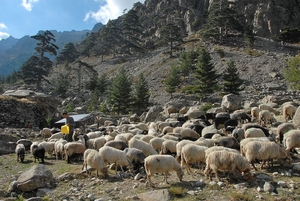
[{"x": 14, "y": 52}]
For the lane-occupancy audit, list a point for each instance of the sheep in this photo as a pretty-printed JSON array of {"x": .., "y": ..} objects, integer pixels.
[
  {"x": 57, "y": 136},
  {"x": 282, "y": 129},
  {"x": 162, "y": 125},
  {"x": 93, "y": 159},
  {"x": 245, "y": 141},
  {"x": 230, "y": 124},
  {"x": 192, "y": 153},
  {"x": 228, "y": 141},
  {"x": 136, "y": 156},
  {"x": 46, "y": 132},
  {"x": 224, "y": 160},
  {"x": 266, "y": 107},
  {"x": 27, "y": 143},
  {"x": 156, "y": 143},
  {"x": 263, "y": 150},
  {"x": 20, "y": 151},
  {"x": 147, "y": 138},
  {"x": 220, "y": 148},
  {"x": 117, "y": 144},
  {"x": 162, "y": 164},
  {"x": 179, "y": 147},
  {"x": 76, "y": 133},
  {"x": 95, "y": 134},
  {"x": 59, "y": 148},
  {"x": 169, "y": 136},
  {"x": 291, "y": 140},
  {"x": 141, "y": 126},
  {"x": 187, "y": 133},
  {"x": 48, "y": 146},
  {"x": 38, "y": 153},
  {"x": 72, "y": 148},
  {"x": 99, "y": 142},
  {"x": 254, "y": 113},
  {"x": 220, "y": 121},
  {"x": 167, "y": 129},
  {"x": 265, "y": 117},
  {"x": 124, "y": 136},
  {"x": 255, "y": 125},
  {"x": 31, "y": 146},
  {"x": 239, "y": 134},
  {"x": 146, "y": 148},
  {"x": 113, "y": 155},
  {"x": 254, "y": 132},
  {"x": 168, "y": 147},
  {"x": 288, "y": 111},
  {"x": 240, "y": 116}
]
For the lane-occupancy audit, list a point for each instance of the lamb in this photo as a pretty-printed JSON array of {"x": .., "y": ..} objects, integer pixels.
[
  {"x": 192, "y": 153},
  {"x": 57, "y": 136},
  {"x": 168, "y": 147},
  {"x": 282, "y": 129},
  {"x": 76, "y": 133},
  {"x": 117, "y": 144},
  {"x": 254, "y": 132},
  {"x": 20, "y": 151},
  {"x": 59, "y": 148},
  {"x": 254, "y": 113},
  {"x": 38, "y": 153},
  {"x": 156, "y": 143},
  {"x": 228, "y": 141},
  {"x": 72, "y": 148},
  {"x": 262, "y": 150},
  {"x": 265, "y": 117},
  {"x": 93, "y": 159},
  {"x": 162, "y": 164},
  {"x": 112, "y": 155},
  {"x": 46, "y": 132},
  {"x": 27, "y": 143},
  {"x": 48, "y": 146},
  {"x": 136, "y": 156},
  {"x": 146, "y": 148},
  {"x": 288, "y": 111},
  {"x": 291, "y": 140},
  {"x": 223, "y": 160}
]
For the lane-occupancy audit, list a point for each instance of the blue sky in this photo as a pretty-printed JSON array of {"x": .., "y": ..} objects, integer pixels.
[{"x": 26, "y": 17}]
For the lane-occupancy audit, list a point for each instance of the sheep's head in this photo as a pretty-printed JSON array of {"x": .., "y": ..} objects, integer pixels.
[{"x": 248, "y": 175}]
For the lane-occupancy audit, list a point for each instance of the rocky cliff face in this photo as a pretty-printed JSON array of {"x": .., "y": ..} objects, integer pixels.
[{"x": 267, "y": 17}]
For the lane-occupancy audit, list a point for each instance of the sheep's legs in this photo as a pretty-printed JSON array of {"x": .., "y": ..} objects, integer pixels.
[{"x": 252, "y": 163}]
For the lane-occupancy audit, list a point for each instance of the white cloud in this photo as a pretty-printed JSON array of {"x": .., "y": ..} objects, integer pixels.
[
  {"x": 3, "y": 35},
  {"x": 27, "y": 4},
  {"x": 112, "y": 9},
  {"x": 3, "y": 26}
]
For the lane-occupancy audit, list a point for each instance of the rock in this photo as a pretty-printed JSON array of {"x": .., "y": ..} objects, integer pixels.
[
  {"x": 153, "y": 113},
  {"x": 35, "y": 177},
  {"x": 183, "y": 110},
  {"x": 157, "y": 195},
  {"x": 194, "y": 112},
  {"x": 134, "y": 118},
  {"x": 209, "y": 129},
  {"x": 283, "y": 184},
  {"x": 231, "y": 102}
]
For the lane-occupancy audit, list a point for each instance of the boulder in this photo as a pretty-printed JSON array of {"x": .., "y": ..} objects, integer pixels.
[
  {"x": 194, "y": 112},
  {"x": 209, "y": 129},
  {"x": 296, "y": 118},
  {"x": 37, "y": 176},
  {"x": 153, "y": 113},
  {"x": 231, "y": 102}
]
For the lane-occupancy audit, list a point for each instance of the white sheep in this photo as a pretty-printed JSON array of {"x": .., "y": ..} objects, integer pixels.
[
  {"x": 282, "y": 129},
  {"x": 179, "y": 146},
  {"x": 56, "y": 136},
  {"x": 265, "y": 151},
  {"x": 288, "y": 111},
  {"x": 167, "y": 129},
  {"x": 141, "y": 126},
  {"x": 93, "y": 159},
  {"x": 31, "y": 146},
  {"x": 46, "y": 132},
  {"x": 266, "y": 117},
  {"x": 94, "y": 134},
  {"x": 254, "y": 132},
  {"x": 146, "y": 148},
  {"x": 111, "y": 155},
  {"x": 48, "y": 146},
  {"x": 168, "y": 147},
  {"x": 291, "y": 140},
  {"x": 59, "y": 148},
  {"x": 187, "y": 133},
  {"x": 192, "y": 153},
  {"x": 98, "y": 142},
  {"x": 162, "y": 164},
  {"x": 220, "y": 148},
  {"x": 170, "y": 136},
  {"x": 117, "y": 144},
  {"x": 266, "y": 107},
  {"x": 73, "y": 148},
  {"x": 156, "y": 143},
  {"x": 162, "y": 125},
  {"x": 20, "y": 151},
  {"x": 255, "y": 113},
  {"x": 124, "y": 136},
  {"x": 146, "y": 138},
  {"x": 136, "y": 156},
  {"x": 245, "y": 141},
  {"x": 227, "y": 161}
]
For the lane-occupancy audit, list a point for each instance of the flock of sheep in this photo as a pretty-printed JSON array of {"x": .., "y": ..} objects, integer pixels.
[{"x": 233, "y": 143}]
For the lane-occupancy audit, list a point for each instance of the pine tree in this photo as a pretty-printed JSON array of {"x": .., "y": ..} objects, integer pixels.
[
  {"x": 205, "y": 74},
  {"x": 231, "y": 79},
  {"x": 113, "y": 36},
  {"x": 171, "y": 35},
  {"x": 120, "y": 96},
  {"x": 68, "y": 54},
  {"x": 173, "y": 80},
  {"x": 221, "y": 20},
  {"x": 37, "y": 68},
  {"x": 188, "y": 62},
  {"x": 141, "y": 96}
]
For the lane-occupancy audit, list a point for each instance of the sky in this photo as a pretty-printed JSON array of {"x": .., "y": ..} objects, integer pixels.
[{"x": 19, "y": 18}]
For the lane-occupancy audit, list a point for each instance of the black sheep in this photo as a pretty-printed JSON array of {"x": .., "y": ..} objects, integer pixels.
[{"x": 38, "y": 153}]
